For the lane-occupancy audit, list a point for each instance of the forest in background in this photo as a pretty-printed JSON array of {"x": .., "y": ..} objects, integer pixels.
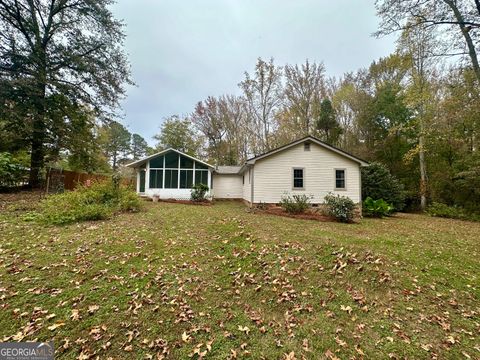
[{"x": 417, "y": 110}]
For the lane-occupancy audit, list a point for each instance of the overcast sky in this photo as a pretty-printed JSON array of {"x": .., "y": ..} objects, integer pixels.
[{"x": 183, "y": 51}]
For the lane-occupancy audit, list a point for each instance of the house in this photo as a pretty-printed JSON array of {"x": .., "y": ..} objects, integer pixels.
[{"x": 306, "y": 166}]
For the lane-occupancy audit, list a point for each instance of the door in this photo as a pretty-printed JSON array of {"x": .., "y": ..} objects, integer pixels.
[{"x": 142, "y": 181}]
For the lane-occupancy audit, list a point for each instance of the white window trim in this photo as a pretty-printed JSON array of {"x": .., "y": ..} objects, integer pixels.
[
  {"x": 335, "y": 179},
  {"x": 303, "y": 178}
]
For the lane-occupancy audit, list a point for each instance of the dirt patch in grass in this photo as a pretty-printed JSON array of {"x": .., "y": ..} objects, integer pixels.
[
  {"x": 311, "y": 214},
  {"x": 21, "y": 200}
]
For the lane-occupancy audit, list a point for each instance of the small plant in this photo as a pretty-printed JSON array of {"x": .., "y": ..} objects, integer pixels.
[
  {"x": 199, "y": 192},
  {"x": 295, "y": 204},
  {"x": 377, "y": 208},
  {"x": 340, "y": 207}
]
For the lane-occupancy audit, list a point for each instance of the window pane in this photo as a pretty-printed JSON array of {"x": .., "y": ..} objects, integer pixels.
[
  {"x": 171, "y": 160},
  {"x": 186, "y": 163},
  {"x": 171, "y": 179},
  {"x": 201, "y": 177},
  {"x": 200, "y": 166},
  {"x": 340, "y": 179},
  {"x": 156, "y": 179},
  {"x": 298, "y": 173},
  {"x": 153, "y": 177},
  {"x": 298, "y": 183},
  {"x": 156, "y": 162},
  {"x": 186, "y": 179}
]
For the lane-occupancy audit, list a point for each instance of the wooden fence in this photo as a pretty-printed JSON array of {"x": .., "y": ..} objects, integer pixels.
[{"x": 59, "y": 180}]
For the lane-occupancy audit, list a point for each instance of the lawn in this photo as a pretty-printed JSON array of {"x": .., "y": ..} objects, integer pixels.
[{"x": 177, "y": 281}]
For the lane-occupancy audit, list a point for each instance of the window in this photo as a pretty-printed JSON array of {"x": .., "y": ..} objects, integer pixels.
[
  {"x": 156, "y": 162},
  {"x": 186, "y": 163},
  {"x": 298, "y": 178},
  {"x": 171, "y": 160},
  {"x": 306, "y": 146},
  {"x": 186, "y": 179},
  {"x": 339, "y": 179},
  {"x": 171, "y": 179},
  {"x": 201, "y": 177},
  {"x": 200, "y": 166},
  {"x": 156, "y": 179}
]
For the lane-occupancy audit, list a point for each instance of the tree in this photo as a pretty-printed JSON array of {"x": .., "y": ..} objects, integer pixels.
[
  {"x": 115, "y": 142},
  {"x": 178, "y": 134},
  {"x": 139, "y": 147},
  {"x": 327, "y": 125},
  {"x": 417, "y": 44},
  {"x": 453, "y": 18},
  {"x": 304, "y": 86},
  {"x": 263, "y": 93},
  {"x": 51, "y": 47}
]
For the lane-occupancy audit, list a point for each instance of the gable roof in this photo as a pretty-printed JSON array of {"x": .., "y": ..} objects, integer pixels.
[
  {"x": 313, "y": 140},
  {"x": 145, "y": 159}
]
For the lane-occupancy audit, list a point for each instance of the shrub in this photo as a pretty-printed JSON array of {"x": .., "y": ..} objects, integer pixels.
[
  {"x": 378, "y": 183},
  {"x": 97, "y": 202},
  {"x": 11, "y": 171},
  {"x": 295, "y": 204},
  {"x": 199, "y": 192},
  {"x": 377, "y": 208},
  {"x": 340, "y": 207}
]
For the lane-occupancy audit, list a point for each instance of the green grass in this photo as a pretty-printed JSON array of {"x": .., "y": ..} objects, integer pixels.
[{"x": 405, "y": 286}]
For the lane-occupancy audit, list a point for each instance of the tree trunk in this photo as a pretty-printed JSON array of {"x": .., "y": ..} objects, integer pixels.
[
  {"x": 472, "y": 52},
  {"x": 37, "y": 152},
  {"x": 423, "y": 168}
]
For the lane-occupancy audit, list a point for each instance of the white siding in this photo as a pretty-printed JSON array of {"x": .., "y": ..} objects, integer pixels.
[
  {"x": 273, "y": 174},
  {"x": 227, "y": 186},
  {"x": 247, "y": 186}
]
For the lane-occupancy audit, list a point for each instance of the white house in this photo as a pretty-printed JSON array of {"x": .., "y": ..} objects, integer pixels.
[{"x": 306, "y": 166}]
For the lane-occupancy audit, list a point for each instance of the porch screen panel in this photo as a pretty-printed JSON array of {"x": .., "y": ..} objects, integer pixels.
[
  {"x": 156, "y": 162},
  {"x": 156, "y": 179},
  {"x": 171, "y": 179},
  {"x": 186, "y": 179},
  {"x": 201, "y": 177}
]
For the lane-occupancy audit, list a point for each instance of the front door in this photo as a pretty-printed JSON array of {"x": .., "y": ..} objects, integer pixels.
[{"x": 142, "y": 181}]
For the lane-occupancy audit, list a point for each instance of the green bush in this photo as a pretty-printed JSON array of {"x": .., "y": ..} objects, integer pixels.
[
  {"x": 199, "y": 192},
  {"x": 453, "y": 212},
  {"x": 377, "y": 208},
  {"x": 295, "y": 204},
  {"x": 340, "y": 207},
  {"x": 11, "y": 171},
  {"x": 96, "y": 202},
  {"x": 378, "y": 183}
]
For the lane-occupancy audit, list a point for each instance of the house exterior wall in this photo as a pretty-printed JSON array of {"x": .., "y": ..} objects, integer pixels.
[
  {"x": 274, "y": 174},
  {"x": 227, "y": 186},
  {"x": 246, "y": 179}
]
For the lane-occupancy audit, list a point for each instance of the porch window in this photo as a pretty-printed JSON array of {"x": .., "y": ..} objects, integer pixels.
[
  {"x": 186, "y": 179},
  {"x": 171, "y": 179},
  {"x": 298, "y": 180},
  {"x": 339, "y": 179},
  {"x": 201, "y": 176},
  {"x": 156, "y": 179}
]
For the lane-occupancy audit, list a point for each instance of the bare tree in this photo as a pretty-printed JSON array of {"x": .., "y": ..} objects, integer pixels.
[
  {"x": 304, "y": 86},
  {"x": 263, "y": 93}
]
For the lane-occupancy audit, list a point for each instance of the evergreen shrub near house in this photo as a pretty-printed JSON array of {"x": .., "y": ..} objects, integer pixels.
[
  {"x": 98, "y": 201},
  {"x": 340, "y": 207},
  {"x": 378, "y": 183},
  {"x": 296, "y": 203},
  {"x": 199, "y": 192}
]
